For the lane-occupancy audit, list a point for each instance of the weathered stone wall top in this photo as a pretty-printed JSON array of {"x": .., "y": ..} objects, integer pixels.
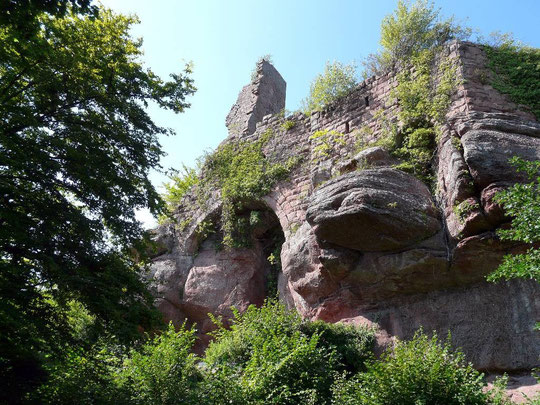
[{"x": 263, "y": 96}]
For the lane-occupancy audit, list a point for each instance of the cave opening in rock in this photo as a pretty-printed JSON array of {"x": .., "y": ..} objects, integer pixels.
[
  {"x": 268, "y": 236},
  {"x": 256, "y": 241}
]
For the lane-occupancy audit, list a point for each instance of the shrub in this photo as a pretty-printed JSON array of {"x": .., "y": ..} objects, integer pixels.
[
  {"x": 522, "y": 203},
  {"x": 255, "y": 71},
  {"x": 277, "y": 358},
  {"x": 420, "y": 371},
  {"x": 336, "y": 81},
  {"x": 164, "y": 370},
  {"x": 181, "y": 181},
  {"x": 288, "y": 125},
  {"x": 352, "y": 345}
]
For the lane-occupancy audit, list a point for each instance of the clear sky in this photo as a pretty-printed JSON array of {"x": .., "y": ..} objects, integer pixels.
[{"x": 224, "y": 39}]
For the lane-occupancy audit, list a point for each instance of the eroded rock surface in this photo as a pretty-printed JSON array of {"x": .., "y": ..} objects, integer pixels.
[
  {"x": 373, "y": 210},
  {"x": 487, "y": 155},
  {"x": 365, "y": 242}
]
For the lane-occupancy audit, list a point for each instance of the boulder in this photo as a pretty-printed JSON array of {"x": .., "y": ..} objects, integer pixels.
[
  {"x": 368, "y": 158},
  {"x": 478, "y": 255},
  {"x": 373, "y": 210},
  {"x": 487, "y": 154},
  {"x": 307, "y": 279}
]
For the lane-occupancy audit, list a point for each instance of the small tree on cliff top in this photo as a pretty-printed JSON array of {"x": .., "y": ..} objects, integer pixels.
[
  {"x": 336, "y": 81},
  {"x": 413, "y": 27}
]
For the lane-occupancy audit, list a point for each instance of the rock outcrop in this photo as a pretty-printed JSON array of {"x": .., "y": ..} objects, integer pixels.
[
  {"x": 373, "y": 210},
  {"x": 365, "y": 242}
]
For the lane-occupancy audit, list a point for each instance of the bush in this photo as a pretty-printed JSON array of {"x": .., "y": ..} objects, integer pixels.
[
  {"x": 336, "y": 81},
  {"x": 164, "y": 370},
  {"x": 84, "y": 377},
  {"x": 278, "y": 358},
  {"x": 352, "y": 345},
  {"x": 181, "y": 181},
  {"x": 420, "y": 371}
]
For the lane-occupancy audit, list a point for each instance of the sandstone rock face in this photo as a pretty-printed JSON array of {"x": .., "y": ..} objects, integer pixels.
[
  {"x": 487, "y": 152},
  {"x": 373, "y": 210},
  {"x": 221, "y": 279},
  {"x": 263, "y": 96},
  {"x": 365, "y": 242},
  {"x": 488, "y": 321}
]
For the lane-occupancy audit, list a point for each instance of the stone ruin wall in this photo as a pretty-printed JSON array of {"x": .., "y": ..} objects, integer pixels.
[{"x": 374, "y": 246}]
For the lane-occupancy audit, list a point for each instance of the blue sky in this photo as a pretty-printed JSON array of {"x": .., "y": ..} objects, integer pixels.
[{"x": 224, "y": 39}]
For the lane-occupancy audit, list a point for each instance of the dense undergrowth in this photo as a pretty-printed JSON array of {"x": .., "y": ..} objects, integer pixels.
[{"x": 269, "y": 356}]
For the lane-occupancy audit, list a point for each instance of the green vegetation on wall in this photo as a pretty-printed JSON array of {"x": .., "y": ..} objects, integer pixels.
[
  {"x": 412, "y": 40},
  {"x": 325, "y": 141},
  {"x": 516, "y": 71},
  {"x": 242, "y": 174},
  {"x": 464, "y": 208},
  {"x": 181, "y": 182}
]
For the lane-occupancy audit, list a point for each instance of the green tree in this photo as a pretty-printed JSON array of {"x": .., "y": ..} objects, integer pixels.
[
  {"x": 76, "y": 146},
  {"x": 336, "y": 81},
  {"x": 181, "y": 181},
  {"x": 22, "y": 14},
  {"x": 412, "y": 28}
]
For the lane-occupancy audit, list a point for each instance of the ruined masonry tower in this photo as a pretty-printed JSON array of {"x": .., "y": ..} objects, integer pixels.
[{"x": 265, "y": 95}]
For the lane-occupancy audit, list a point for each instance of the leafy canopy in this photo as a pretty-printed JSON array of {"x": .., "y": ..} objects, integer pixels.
[
  {"x": 76, "y": 146},
  {"x": 412, "y": 28},
  {"x": 337, "y": 80}
]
